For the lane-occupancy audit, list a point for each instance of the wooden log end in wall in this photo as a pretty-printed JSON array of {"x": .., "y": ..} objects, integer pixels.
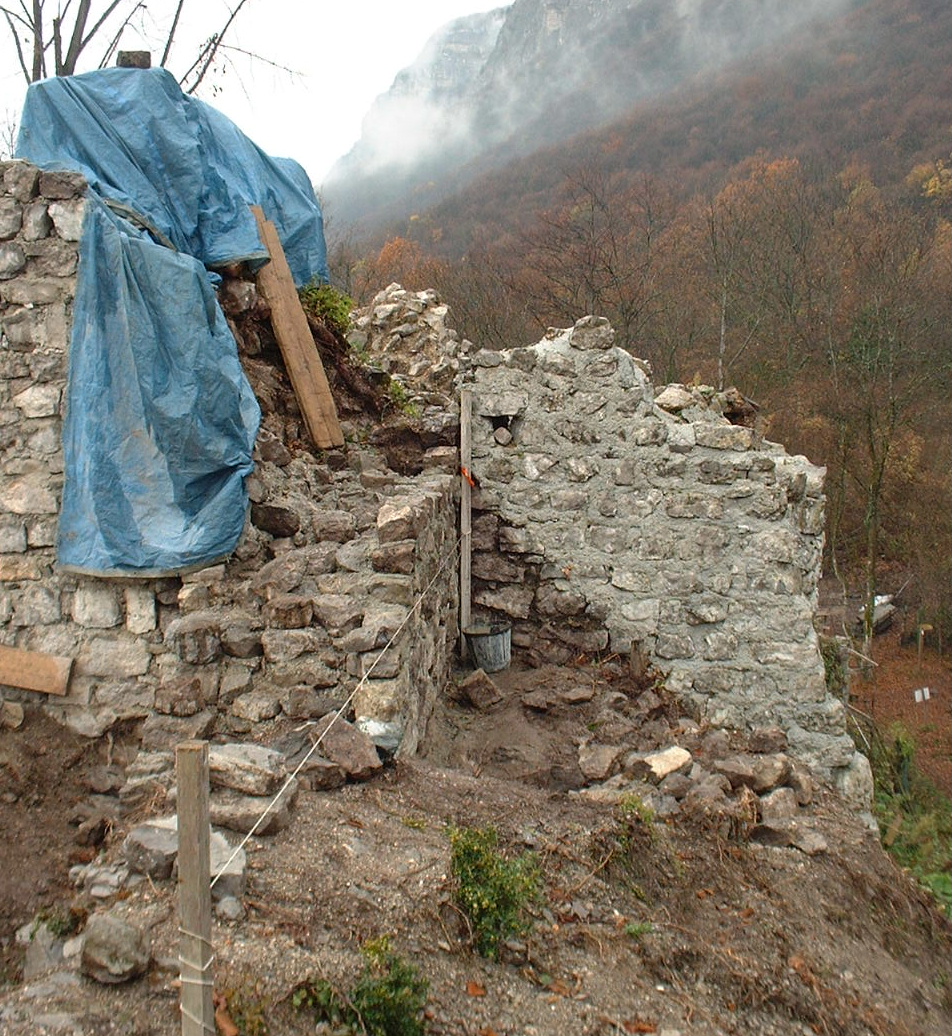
[{"x": 33, "y": 671}]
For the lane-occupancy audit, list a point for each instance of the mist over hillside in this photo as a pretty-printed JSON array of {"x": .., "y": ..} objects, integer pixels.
[{"x": 491, "y": 87}]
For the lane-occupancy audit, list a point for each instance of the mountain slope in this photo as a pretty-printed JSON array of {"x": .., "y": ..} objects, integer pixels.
[{"x": 501, "y": 85}]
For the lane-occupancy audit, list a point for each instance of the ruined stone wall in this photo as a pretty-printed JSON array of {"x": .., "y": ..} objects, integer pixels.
[
  {"x": 607, "y": 518},
  {"x": 331, "y": 564}
]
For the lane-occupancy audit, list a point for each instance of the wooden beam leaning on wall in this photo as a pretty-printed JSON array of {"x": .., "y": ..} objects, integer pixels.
[{"x": 296, "y": 342}]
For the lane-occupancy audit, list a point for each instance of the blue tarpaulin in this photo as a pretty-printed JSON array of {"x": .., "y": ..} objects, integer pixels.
[{"x": 161, "y": 421}]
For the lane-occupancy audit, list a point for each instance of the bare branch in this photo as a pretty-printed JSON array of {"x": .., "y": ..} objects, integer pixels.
[
  {"x": 68, "y": 67},
  {"x": 95, "y": 29},
  {"x": 171, "y": 36},
  {"x": 39, "y": 61},
  {"x": 21, "y": 57},
  {"x": 211, "y": 50}
]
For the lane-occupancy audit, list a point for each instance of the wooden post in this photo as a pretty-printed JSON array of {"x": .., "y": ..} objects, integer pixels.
[
  {"x": 465, "y": 514},
  {"x": 195, "y": 895}
]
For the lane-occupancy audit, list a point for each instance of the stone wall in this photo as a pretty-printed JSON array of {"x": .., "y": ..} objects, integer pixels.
[
  {"x": 335, "y": 554},
  {"x": 607, "y": 519}
]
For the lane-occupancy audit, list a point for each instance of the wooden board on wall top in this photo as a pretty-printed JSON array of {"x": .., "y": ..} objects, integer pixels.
[
  {"x": 296, "y": 342},
  {"x": 33, "y": 671}
]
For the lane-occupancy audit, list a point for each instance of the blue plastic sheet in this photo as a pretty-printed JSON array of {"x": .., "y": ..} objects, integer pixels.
[
  {"x": 180, "y": 165},
  {"x": 161, "y": 421}
]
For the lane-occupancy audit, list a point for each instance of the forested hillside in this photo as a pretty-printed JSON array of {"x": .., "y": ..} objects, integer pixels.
[{"x": 782, "y": 226}]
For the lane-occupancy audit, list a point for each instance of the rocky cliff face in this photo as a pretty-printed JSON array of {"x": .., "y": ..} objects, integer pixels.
[{"x": 493, "y": 86}]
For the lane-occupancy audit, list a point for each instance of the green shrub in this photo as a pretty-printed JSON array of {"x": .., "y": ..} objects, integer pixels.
[
  {"x": 387, "y": 1000},
  {"x": 493, "y": 891},
  {"x": 914, "y": 815},
  {"x": 327, "y": 304}
]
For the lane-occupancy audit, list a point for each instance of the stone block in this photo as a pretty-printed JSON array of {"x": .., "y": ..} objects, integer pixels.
[
  {"x": 96, "y": 606},
  {"x": 195, "y": 637},
  {"x": 20, "y": 179},
  {"x": 724, "y": 436},
  {"x": 480, "y": 691},
  {"x": 61, "y": 184},
  {"x": 185, "y": 694},
  {"x": 598, "y": 762},
  {"x": 114, "y": 950},
  {"x": 118, "y": 656},
  {"x": 351, "y": 749},
  {"x": 14, "y": 569},
  {"x": 376, "y": 665},
  {"x": 337, "y": 526},
  {"x": 256, "y": 706},
  {"x": 289, "y": 611},
  {"x": 67, "y": 217},
  {"x": 36, "y": 606},
  {"x": 51, "y": 257},
  {"x": 399, "y": 557},
  {"x": 236, "y": 812},
  {"x": 401, "y": 519},
  {"x": 28, "y": 495},
  {"x": 339, "y": 613},
  {"x": 512, "y": 600},
  {"x": 36, "y": 222},
  {"x": 12, "y": 260},
  {"x": 278, "y": 520},
  {"x": 241, "y": 640},
  {"x": 286, "y": 645},
  {"x": 11, "y": 218},
  {"x": 140, "y": 609},
  {"x": 247, "y": 768},
  {"x": 36, "y": 291}
]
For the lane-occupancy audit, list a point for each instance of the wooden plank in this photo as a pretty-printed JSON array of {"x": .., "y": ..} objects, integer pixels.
[
  {"x": 465, "y": 515},
  {"x": 34, "y": 671},
  {"x": 296, "y": 342},
  {"x": 195, "y": 894}
]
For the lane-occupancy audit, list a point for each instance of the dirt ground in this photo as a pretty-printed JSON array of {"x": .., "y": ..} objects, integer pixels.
[{"x": 673, "y": 927}]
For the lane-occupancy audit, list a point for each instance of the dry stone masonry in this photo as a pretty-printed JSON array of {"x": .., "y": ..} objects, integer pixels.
[
  {"x": 335, "y": 553},
  {"x": 607, "y": 520},
  {"x": 610, "y": 520}
]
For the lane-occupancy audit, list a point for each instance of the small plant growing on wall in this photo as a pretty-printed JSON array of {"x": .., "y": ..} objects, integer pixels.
[{"x": 327, "y": 304}]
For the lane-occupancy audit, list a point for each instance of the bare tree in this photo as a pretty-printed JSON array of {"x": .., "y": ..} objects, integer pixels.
[{"x": 57, "y": 38}]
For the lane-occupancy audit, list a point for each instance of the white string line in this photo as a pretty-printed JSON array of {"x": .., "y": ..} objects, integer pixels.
[{"x": 337, "y": 715}]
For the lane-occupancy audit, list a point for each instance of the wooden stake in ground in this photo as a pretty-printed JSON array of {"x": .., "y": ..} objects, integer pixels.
[
  {"x": 296, "y": 342},
  {"x": 195, "y": 895},
  {"x": 465, "y": 514}
]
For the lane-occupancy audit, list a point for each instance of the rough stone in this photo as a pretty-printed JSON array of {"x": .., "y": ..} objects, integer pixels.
[
  {"x": 247, "y": 768},
  {"x": 67, "y": 217},
  {"x": 597, "y": 762},
  {"x": 351, "y": 749},
  {"x": 480, "y": 691},
  {"x": 114, "y": 950},
  {"x": 236, "y": 812},
  {"x": 151, "y": 849},
  {"x": 655, "y": 766}
]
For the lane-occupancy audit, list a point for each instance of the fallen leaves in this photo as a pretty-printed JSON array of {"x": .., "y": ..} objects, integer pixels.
[{"x": 474, "y": 988}]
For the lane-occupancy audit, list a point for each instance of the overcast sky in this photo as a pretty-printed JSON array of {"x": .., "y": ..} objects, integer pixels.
[{"x": 345, "y": 52}]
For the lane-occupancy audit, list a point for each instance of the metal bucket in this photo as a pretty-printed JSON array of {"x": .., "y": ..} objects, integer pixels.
[{"x": 490, "y": 645}]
